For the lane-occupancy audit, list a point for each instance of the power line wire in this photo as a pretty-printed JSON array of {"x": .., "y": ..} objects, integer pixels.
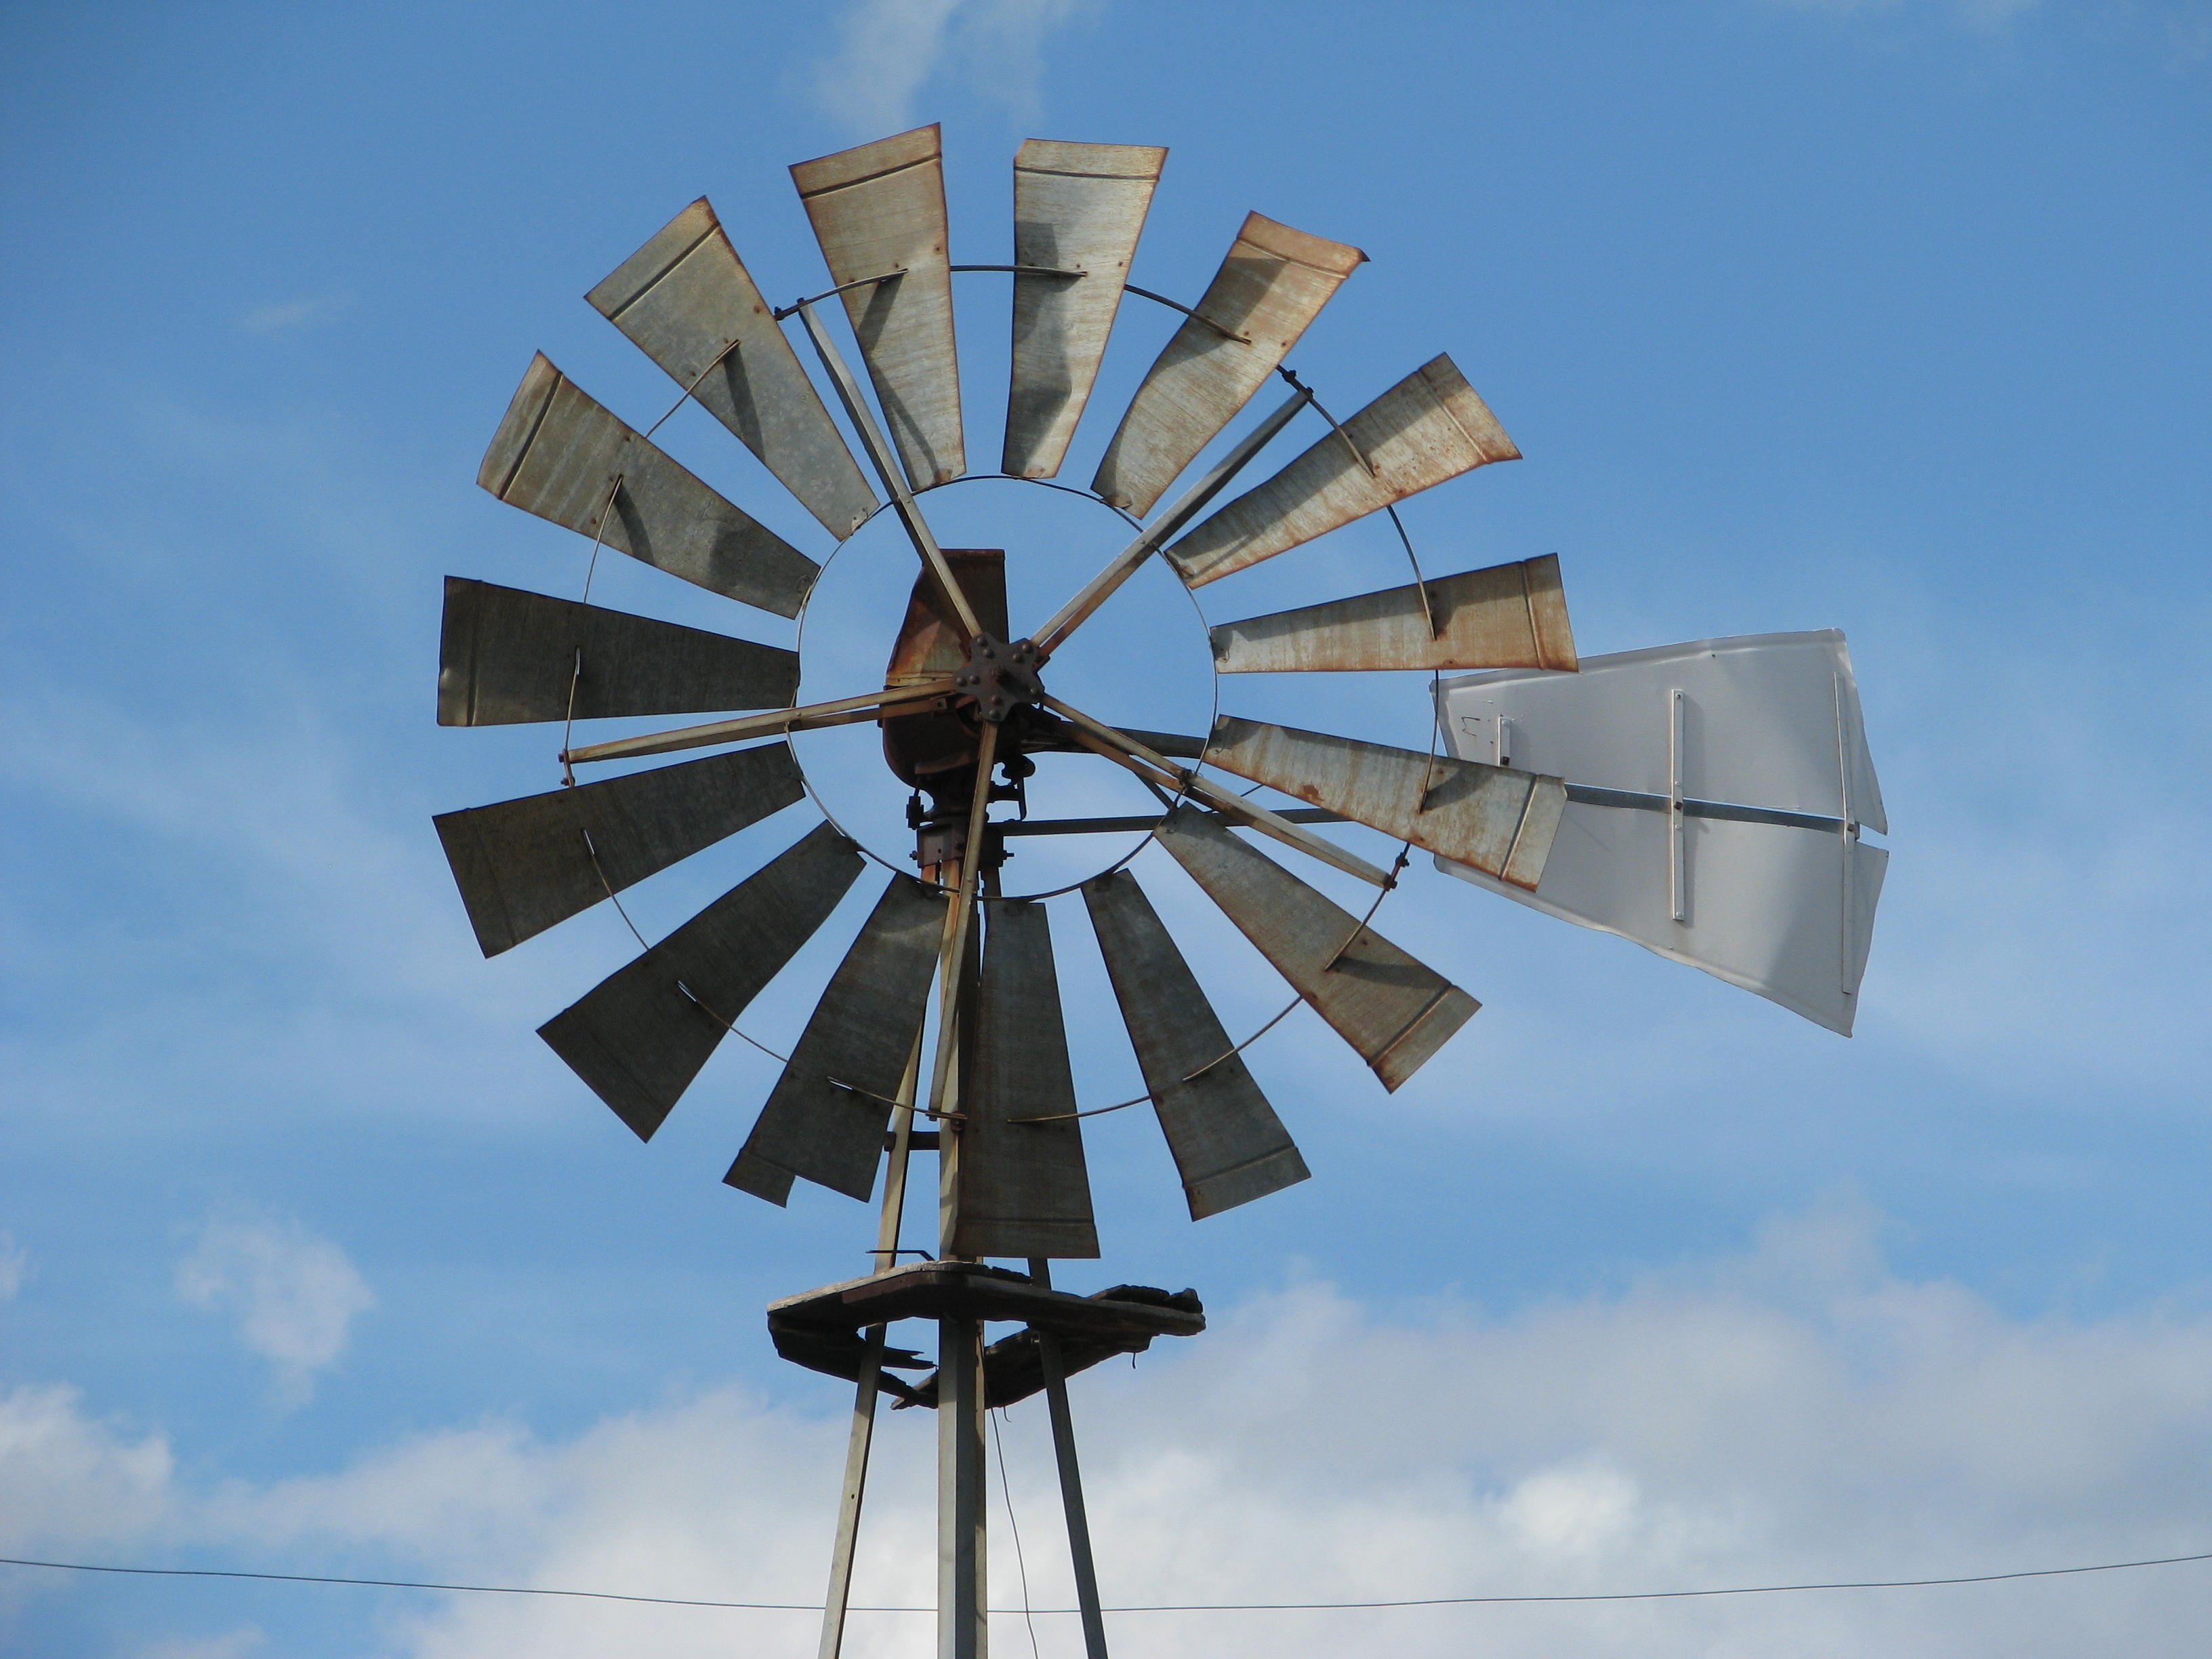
[{"x": 1195, "y": 1607}]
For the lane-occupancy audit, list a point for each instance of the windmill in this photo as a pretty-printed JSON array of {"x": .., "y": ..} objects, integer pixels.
[{"x": 941, "y": 1029}]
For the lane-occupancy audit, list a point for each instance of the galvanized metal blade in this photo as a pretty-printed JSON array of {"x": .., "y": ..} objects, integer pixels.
[
  {"x": 1510, "y": 616},
  {"x": 1272, "y": 284},
  {"x": 524, "y": 865},
  {"x": 641, "y": 1035},
  {"x": 560, "y": 454},
  {"x": 688, "y": 302},
  {"x": 1023, "y": 1188},
  {"x": 878, "y": 211},
  {"x": 1392, "y": 1010},
  {"x": 825, "y": 1118},
  {"x": 1077, "y": 207},
  {"x": 1498, "y": 820},
  {"x": 1229, "y": 1145},
  {"x": 1428, "y": 428},
  {"x": 507, "y": 656}
]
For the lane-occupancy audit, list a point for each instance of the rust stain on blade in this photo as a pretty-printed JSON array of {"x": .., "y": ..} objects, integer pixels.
[
  {"x": 1024, "y": 1190},
  {"x": 523, "y": 865},
  {"x": 1497, "y": 819},
  {"x": 507, "y": 656},
  {"x": 640, "y": 1036},
  {"x": 1272, "y": 284},
  {"x": 1428, "y": 428},
  {"x": 824, "y": 1121},
  {"x": 688, "y": 302},
  {"x": 879, "y": 208},
  {"x": 1508, "y": 615},
  {"x": 1394, "y": 1012},
  {"x": 559, "y": 453},
  {"x": 1229, "y": 1145},
  {"x": 1077, "y": 207}
]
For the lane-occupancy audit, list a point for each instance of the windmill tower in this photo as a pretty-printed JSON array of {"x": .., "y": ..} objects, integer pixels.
[{"x": 941, "y": 1030}]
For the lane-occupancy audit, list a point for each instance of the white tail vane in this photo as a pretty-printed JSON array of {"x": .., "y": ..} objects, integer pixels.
[{"x": 1715, "y": 795}]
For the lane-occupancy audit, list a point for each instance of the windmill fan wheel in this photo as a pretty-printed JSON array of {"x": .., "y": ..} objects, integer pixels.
[{"x": 967, "y": 699}]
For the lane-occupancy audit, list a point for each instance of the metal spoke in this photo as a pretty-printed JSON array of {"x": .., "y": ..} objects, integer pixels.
[
  {"x": 809, "y": 717},
  {"x": 1119, "y": 747},
  {"x": 887, "y": 469},
  {"x": 1100, "y": 587}
]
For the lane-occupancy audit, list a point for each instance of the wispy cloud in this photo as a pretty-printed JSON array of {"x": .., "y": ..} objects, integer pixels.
[
  {"x": 295, "y": 316},
  {"x": 889, "y": 50},
  {"x": 1975, "y": 11},
  {"x": 15, "y": 1267},
  {"x": 295, "y": 1296}
]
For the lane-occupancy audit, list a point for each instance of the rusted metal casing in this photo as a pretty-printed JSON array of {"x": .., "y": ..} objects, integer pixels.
[
  {"x": 1077, "y": 207},
  {"x": 1428, "y": 428},
  {"x": 640, "y": 1036},
  {"x": 1510, "y": 616},
  {"x": 523, "y": 865},
  {"x": 559, "y": 453},
  {"x": 878, "y": 210},
  {"x": 1229, "y": 1145},
  {"x": 825, "y": 1119},
  {"x": 1491, "y": 817},
  {"x": 929, "y": 648},
  {"x": 1024, "y": 1190},
  {"x": 507, "y": 656},
  {"x": 687, "y": 301},
  {"x": 1272, "y": 284},
  {"x": 1393, "y": 1011}
]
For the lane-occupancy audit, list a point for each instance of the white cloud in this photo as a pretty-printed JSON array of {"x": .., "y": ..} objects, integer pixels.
[
  {"x": 1799, "y": 1412},
  {"x": 295, "y": 316},
  {"x": 889, "y": 50},
  {"x": 72, "y": 1480},
  {"x": 294, "y": 1295}
]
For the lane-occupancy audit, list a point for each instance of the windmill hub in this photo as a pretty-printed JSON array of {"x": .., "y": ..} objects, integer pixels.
[{"x": 1000, "y": 677}]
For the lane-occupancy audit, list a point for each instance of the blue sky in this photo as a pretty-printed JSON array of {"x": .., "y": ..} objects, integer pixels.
[{"x": 1888, "y": 316}]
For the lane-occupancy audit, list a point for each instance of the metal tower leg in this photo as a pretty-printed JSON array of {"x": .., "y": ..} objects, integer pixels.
[
  {"x": 849, "y": 1510},
  {"x": 1071, "y": 1480},
  {"x": 962, "y": 1630}
]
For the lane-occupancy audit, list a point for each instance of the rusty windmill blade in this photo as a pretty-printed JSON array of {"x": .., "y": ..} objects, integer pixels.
[
  {"x": 563, "y": 455},
  {"x": 825, "y": 1119},
  {"x": 1273, "y": 283},
  {"x": 1428, "y": 428},
  {"x": 1023, "y": 1188},
  {"x": 1076, "y": 207},
  {"x": 507, "y": 656},
  {"x": 642, "y": 1034},
  {"x": 878, "y": 213},
  {"x": 1394, "y": 1012},
  {"x": 1491, "y": 819},
  {"x": 1227, "y": 1145},
  {"x": 1508, "y": 615},
  {"x": 523, "y": 865},
  {"x": 688, "y": 302}
]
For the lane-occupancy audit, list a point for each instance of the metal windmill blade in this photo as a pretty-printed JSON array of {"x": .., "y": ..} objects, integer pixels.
[
  {"x": 1510, "y": 616},
  {"x": 943, "y": 1028},
  {"x": 1079, "y": 209},
  {"x": 1272, "y": 284},
  {"x": 878, "y": 213},
  {"x": 688, "y": 302},
  {"x": 562, "y": 455}
]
